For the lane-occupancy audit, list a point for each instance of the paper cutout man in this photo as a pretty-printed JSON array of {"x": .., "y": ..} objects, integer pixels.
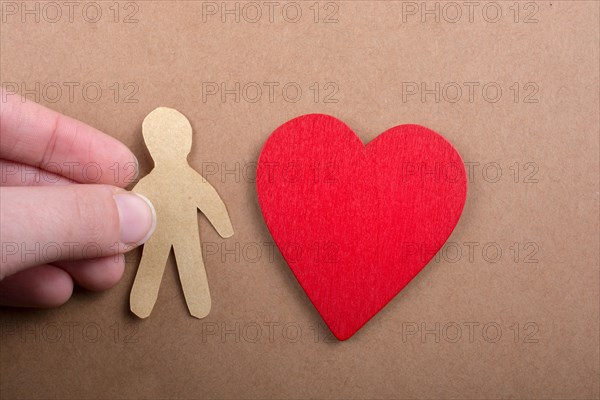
[{"x": 177, "y": 191}]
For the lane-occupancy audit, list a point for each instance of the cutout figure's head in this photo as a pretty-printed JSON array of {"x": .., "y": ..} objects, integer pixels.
[{"x": 168, "y": 135}]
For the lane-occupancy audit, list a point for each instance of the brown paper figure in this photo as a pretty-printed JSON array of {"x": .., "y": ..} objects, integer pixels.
[{"x": 177, "y": 191}]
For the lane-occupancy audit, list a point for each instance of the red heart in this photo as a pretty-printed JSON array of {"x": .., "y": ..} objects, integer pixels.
[{"x": 356, "y": 223}]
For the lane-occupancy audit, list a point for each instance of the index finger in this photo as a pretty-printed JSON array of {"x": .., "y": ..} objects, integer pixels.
[{"x": 35, "y": 135}]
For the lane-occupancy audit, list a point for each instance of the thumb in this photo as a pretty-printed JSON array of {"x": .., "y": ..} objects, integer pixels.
[{"x": 44, "y": 224}]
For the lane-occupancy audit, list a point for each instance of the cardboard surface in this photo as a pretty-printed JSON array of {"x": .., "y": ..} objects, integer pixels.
[{"x": 509, "y": 307}]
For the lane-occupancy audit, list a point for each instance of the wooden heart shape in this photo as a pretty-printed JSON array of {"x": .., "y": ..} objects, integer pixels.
[{"x": 356, "y": 223}]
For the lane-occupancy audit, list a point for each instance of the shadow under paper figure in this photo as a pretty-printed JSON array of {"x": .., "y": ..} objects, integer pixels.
[{"x": 177, "y": 191}]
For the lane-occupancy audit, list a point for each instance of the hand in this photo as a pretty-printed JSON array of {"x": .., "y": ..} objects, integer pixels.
[{"x": 64, "y": 215}]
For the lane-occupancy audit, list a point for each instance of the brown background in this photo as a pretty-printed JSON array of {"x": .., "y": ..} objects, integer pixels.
[{"x": 533, "y": 313}]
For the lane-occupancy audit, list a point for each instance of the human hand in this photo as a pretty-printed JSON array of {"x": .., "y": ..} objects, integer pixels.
[{"x": 64, "y": 215}]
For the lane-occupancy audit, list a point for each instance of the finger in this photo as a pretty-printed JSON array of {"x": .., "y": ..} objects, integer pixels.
[
  {"x": 44, "y": 224},
  {"x": 37, "y": 136},
  {"x": 40, "y": 286},
  {"x": 17, "y": 174},
  {"x": 95, "y": 274}
]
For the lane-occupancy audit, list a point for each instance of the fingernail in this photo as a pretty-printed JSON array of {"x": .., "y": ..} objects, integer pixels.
[{"x": 137, "y": 217}]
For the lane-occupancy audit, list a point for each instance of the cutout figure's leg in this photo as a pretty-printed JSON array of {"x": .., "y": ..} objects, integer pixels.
[
  {"x": 148, "y": 278},
  {"x": 192, "y": 275}
]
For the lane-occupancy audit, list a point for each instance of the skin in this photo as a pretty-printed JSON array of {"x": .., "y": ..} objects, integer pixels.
[{"x": 40, "y": 207}]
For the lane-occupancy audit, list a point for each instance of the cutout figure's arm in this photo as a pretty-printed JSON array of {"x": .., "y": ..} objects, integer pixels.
[
  {"x": 141, "y": 187},
  {"x": 213, "y": 207}
]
